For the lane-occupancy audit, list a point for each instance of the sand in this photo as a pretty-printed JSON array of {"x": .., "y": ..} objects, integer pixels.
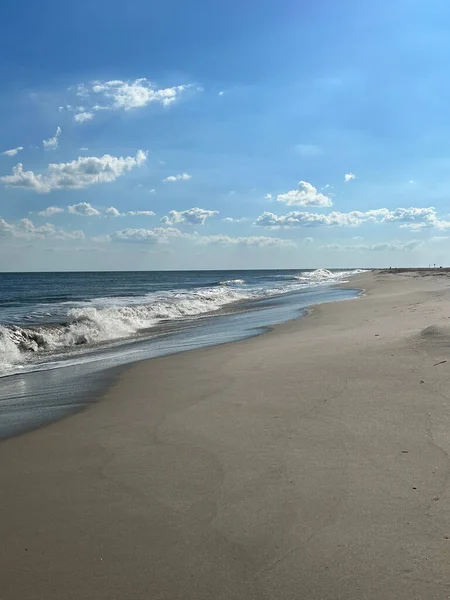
[{"x": 308, "y": 463}]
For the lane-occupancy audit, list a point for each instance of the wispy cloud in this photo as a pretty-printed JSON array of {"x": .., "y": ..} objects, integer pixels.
[
  {"x": 53, "y": 142},
  {"x": 50, "y": 211},
  {"x": 349, "y": 176},
  {"x": 179, "y": 177},
  {"x": 13, "y": 151}
]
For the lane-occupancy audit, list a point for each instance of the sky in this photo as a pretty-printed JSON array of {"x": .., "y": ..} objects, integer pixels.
[{"x": 260, "y": 134}]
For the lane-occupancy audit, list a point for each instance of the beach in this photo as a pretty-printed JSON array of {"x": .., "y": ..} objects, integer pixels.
[{"x": 310, "y": 462}]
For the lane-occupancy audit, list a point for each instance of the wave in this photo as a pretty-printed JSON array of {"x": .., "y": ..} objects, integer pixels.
[
  {"x": 104, "y": 321},
  {"x": 232, "y": 282},
  {"x": 88, "y": 325}
]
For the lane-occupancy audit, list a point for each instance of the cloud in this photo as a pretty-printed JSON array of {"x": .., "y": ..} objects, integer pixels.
[
  {"x": 140, "y": 213},
  {"x": 50, "y": 211},
  {"x": 234, "y": 220},
  {"x": 179, "y": 177},
  {"x": 115, "y": 95},
  {"x": 221, "y": 93},
  {"x": 382, "y": 247},
  {"x": 84, "y": 209},
  {"x": 113, "y": 212},
  {"x": 195, "y": 216},
  {"x": 305, "y": 195},
  {"x": 79, "y": 173},
  {"x": 268, "y": 197},
  {"x": 13, "y": 151},
  {"x": 413, "y": 218},
  {"x": 308, "y": 150},
  {"x": 162, "y": 235},
  {"x": 25, "y": 229},
  {"x": 82, "y": 117},
  {"x": 158, "y": 235},
  {"x": 349, "y": 176},
  {"x": 252, "y": 241},
  {"x": 53, "y": 142}
]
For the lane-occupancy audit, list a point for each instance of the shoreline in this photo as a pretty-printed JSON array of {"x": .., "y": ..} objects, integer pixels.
[
  {"x": 66, "y": 389},
  {"x": 311, "y": 462}
]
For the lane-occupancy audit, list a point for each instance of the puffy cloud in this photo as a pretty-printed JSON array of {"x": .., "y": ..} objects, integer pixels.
[
  {"x": 117, "y": 94},
  {"x": 53, "y": 142},
  {"x": 79, "y": 173},
  {"x": 84, "y": 209},
  {"x": 113, "y": 212},
  {"x": 13, "y": 151},
  {"x": 82, "y": 117},
  {"x": 179, "y": 177},
  {"x": 195, "y": 216},
  {"x": 305, "y": 195},
  {"x": 349, "y": 176},
  {"x": 413, "y": 218},
  {"x": 50, "y": 211},
  {"x": 135, "y": 94},
  {"x": 25, "y": 229},
  {"x": 268, "y": 197}
]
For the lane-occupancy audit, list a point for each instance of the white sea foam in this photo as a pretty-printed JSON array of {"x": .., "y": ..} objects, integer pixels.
[
  {"x": 110, "y": 319},
  {"x": 233, "y": 282}
]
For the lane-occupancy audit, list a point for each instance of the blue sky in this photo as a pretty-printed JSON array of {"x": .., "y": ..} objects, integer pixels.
[{"x": 262, "y": 134}]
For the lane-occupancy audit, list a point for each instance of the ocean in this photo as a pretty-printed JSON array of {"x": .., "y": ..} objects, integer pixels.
[{"x": 62, "y": 333}]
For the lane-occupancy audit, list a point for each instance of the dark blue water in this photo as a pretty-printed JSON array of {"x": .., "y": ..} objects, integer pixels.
[{"x": 62, "y": 334}]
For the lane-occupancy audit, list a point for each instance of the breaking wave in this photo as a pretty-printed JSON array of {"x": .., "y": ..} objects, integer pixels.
[{"x": 102, "y": 321}]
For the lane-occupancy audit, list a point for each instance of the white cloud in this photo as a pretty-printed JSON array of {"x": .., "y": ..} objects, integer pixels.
[
  {"x": 413, "y": 218},
  {"x": 53, "y": 142},
  {"x": 113, "y": 212},
  {"x": 84, "y": 209},
  {"x": 25, "y": 229},
  {"x": 305, "y": 195},
  {"x": 234, "y": 220},
  {"x": 117, "y": 95},
  {"x": 158, "y": 235},
  {"x": 13, "y": 151},
  {"x": 195, "y": 216},
  {"x": 50, "y": 211},
  {"x": 268, "y": 197},
  {"x": 252, "y": 241},
  {"x": 162, "y": 235},
  {"x": 382, "y": 247},
  {"x": 140, "y": 213},
  {"x": 349, "y": 176},
  {"x": 82, "y": 117},
  {"x": 179, "y": 177},
  {"x": 221, "y": 93},
  {"x": 79, "y": 173}
]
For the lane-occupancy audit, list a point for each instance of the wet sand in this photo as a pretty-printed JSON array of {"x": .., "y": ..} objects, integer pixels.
[{"x": 311, "y": 462}]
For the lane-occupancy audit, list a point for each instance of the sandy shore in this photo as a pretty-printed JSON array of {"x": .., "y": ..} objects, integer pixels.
[{"x": 309, "y": 463}]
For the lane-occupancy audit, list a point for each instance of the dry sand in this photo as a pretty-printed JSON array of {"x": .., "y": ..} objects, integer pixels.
[{"x": 309, "y": 463}]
